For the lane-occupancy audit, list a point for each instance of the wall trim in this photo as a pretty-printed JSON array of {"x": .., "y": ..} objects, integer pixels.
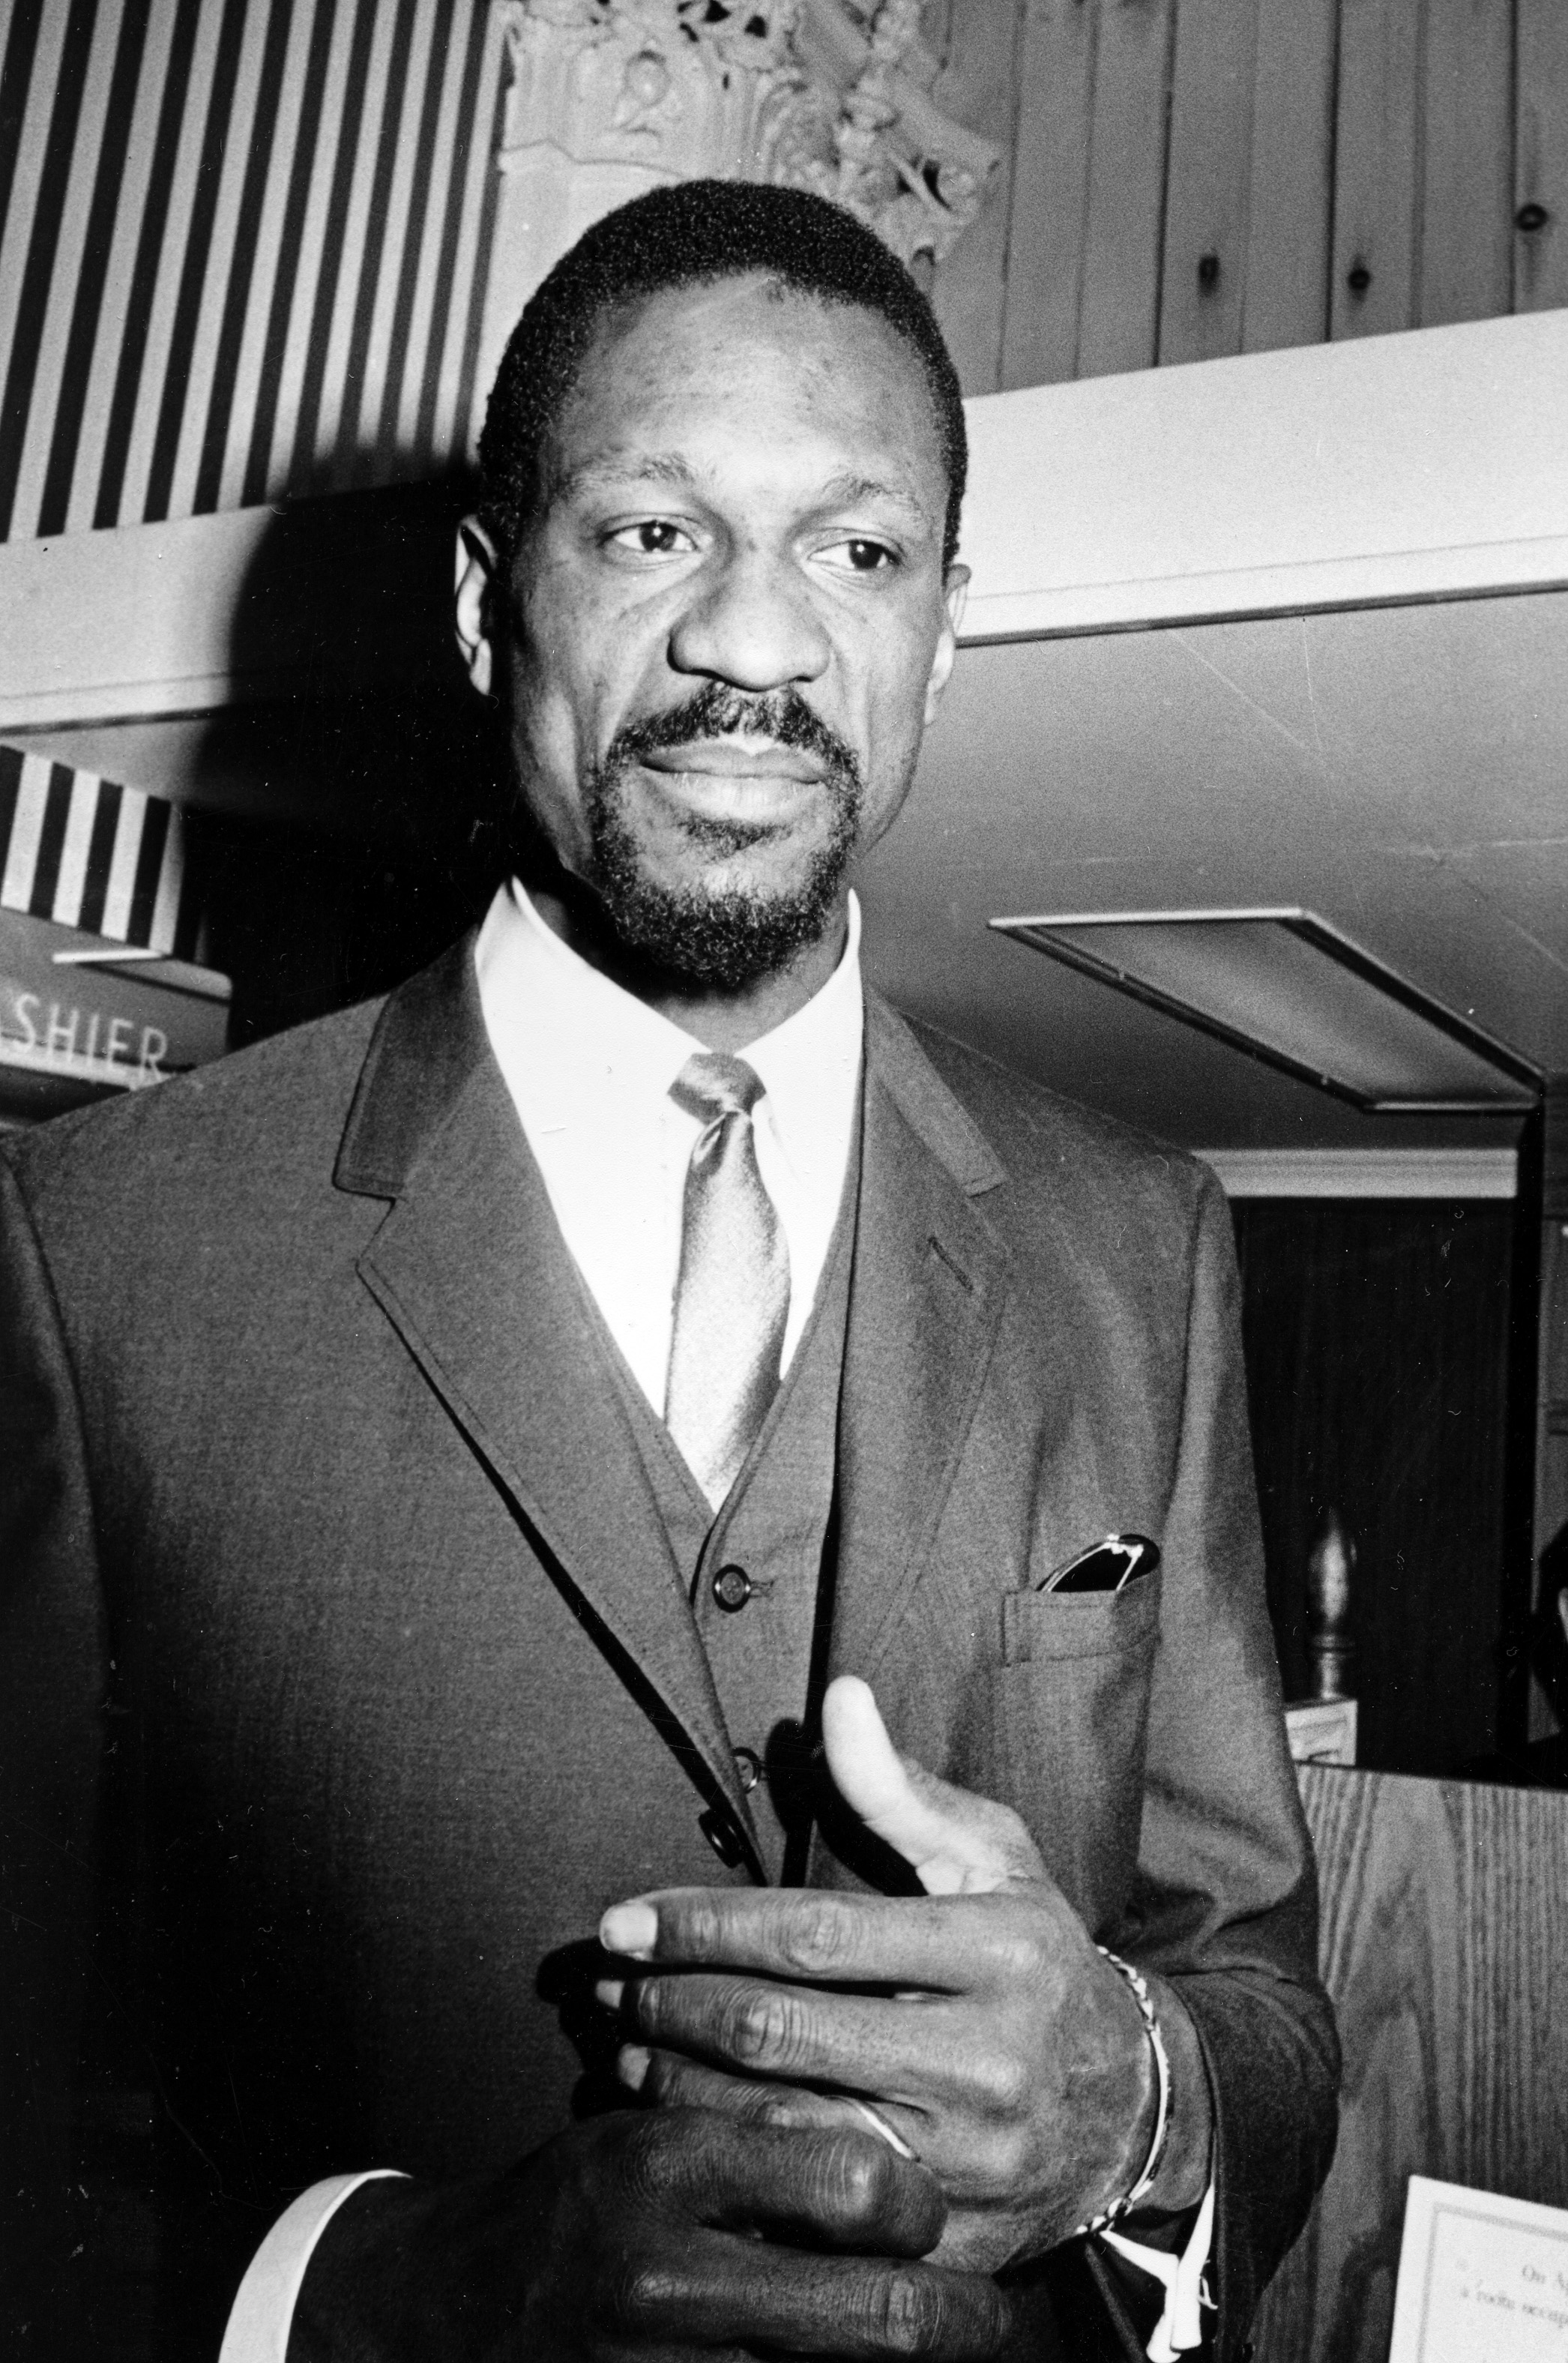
[
  {"x": 1427, "y": 464},
  {"x": 1456, "y": 1174}
]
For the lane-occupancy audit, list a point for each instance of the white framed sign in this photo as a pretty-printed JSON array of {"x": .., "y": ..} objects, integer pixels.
[{"x": 1482, "y": 2278}]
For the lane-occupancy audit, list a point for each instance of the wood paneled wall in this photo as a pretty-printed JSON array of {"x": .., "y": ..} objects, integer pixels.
[
  {"x": 1445, "y": 1947},
  {"x": 1190, "y": 177}
]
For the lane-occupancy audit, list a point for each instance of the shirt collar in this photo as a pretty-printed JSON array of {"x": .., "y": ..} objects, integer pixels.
[
  {"x": 808, "y": 1065},
  {"x": 585, "y": 1043}
]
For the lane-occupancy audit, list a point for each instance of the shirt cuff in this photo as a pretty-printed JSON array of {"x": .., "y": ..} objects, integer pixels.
[
  {"x": 1179, "y": 2326},
  {"x": 263, "y": 2310}
]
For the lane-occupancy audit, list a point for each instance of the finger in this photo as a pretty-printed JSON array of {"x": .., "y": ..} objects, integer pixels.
[
  {"x": 757, "y": 2295},
  {"x": 836, "y": 2188},
  {"x": 945, "y": 1944},
  {"x": 913, "y": 2054},
  {"x": 958, "y": 1844},
  {"x": 671, "y": 2080}
]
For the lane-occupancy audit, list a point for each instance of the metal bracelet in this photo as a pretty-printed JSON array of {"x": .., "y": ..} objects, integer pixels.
[{"x": 1144, "y": 2184}]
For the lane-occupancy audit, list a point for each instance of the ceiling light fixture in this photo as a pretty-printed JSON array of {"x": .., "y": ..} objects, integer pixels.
[{"x": 1285, "y": 986}]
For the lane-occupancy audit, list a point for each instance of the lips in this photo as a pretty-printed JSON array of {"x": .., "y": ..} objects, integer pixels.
[
  {"x": 738, "y": 758},
  {"x": 752, "y": 804}
]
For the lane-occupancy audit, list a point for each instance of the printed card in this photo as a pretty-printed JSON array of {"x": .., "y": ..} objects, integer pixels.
[{"x": 1482, "y": 2279}]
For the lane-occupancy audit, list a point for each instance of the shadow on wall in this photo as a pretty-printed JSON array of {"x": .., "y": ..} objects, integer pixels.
[{"x": 381, "y": 773}]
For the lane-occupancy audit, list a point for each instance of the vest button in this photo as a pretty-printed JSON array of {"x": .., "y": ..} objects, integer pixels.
[
  {"x": 749, "y": 1764},
  {"x": 722, "y": 1836},
  {"x": 732, "y": 1588}
]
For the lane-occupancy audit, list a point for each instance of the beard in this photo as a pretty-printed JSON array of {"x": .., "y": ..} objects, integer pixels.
[{"x": 725, "y": 938}]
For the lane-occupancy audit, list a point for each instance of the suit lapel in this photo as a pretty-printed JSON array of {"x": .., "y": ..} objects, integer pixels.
[
  {"x": 930, "y": 1281},
  {"x": 471, "y": 1269}
]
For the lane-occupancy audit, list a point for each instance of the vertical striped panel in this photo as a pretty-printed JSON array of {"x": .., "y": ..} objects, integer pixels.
[
  {"x": 238, "y": 140},
  {"x": 110, "y": 506},
  {"x": 255, "y": 286},
  {"x": 55, "y": 143},
  {"x": 10, "y": 786},
  {"x": 20, "y": 26},
  {"x": 407, "y": 169},
  {"x": 173, "y": 283},
  {"x": 25, "y": 835},
  {"x": 241, "y": 249},
  {"x": 411, "y": 322},
  {"x": 72, "y": 876},
  {"x": 381, "y": 244},
  {"x": 297, "y": 326},
  {"x": 347, "y": 220},
  {"x": 121, "y": 881},
  {"x": 51, "y": 845},
  {"x": 94, "y": 278},
  {"x": 471, "y": 210},
  {"x": 28, "y": 69},
  {"x": 100, "y": 853},
  {"x": 85, "y": 468},
  {"x": 166, "y": 892},
  {"x": 59, "y": 378},
  {"x": 397, "y": 325},
  {"x": 88, "y": 853}
]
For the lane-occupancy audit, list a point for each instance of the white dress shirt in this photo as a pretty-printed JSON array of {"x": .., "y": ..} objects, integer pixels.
[{"x": 589, "y": 1069}]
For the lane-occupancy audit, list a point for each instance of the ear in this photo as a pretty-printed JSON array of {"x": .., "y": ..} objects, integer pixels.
[
  {"x": 955, "y": 590},
  {"x": 477, "y": 588}
]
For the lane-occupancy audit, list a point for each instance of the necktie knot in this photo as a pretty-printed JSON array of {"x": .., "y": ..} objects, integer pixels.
[{"x": 711, "y": 1085}]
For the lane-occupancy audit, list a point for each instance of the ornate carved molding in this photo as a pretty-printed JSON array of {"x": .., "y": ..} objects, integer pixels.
[{"x": 609, "y": 97}]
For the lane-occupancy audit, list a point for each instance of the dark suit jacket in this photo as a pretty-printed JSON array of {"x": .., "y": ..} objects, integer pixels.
[{"x": 348, "y": 1675}]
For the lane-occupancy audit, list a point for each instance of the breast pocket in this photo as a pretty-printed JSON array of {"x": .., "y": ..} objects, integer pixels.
[{"x": 1075, "y": 1679}]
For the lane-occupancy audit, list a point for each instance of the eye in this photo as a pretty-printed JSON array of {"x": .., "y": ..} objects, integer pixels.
[
  {"x": 861, "y": 556},
  {"x": 653, "y": 537}
]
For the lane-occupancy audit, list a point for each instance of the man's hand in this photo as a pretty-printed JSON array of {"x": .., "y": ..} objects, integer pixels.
[
  {"x": 979, "y": 2022},
  {"x": 671, "y": 2236}
]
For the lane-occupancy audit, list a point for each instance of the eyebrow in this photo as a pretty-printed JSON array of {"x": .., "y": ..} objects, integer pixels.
[
  {"x": 852, "y": 488},
  {"x": 612, "y": 468},
  {"x": 672, "y": 469}
]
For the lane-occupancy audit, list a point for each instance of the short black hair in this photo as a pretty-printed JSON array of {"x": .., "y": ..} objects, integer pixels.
[{"x": 693, "y": 234}]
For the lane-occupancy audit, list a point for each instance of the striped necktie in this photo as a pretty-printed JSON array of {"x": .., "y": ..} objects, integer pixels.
[{"x": 732, "y": 1299}]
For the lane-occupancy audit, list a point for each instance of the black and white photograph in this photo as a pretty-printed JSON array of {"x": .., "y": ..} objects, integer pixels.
[{"x": 784, "y": 1180}]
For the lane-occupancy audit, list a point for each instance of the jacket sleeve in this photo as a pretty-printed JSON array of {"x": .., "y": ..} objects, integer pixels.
[
  {"x": 52, "y": 1676},
  {"x": 1226, "y": 1902}
]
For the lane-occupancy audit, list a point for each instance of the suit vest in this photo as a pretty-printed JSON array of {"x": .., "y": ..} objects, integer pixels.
[{"x": 759, "y": 1572}]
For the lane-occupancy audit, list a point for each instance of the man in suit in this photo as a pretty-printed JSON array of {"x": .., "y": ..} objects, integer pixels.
[{"x": 535, "y": 1693}]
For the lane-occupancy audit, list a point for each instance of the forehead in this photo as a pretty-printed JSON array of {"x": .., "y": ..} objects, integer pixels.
[{"x": 749, "y": 373}]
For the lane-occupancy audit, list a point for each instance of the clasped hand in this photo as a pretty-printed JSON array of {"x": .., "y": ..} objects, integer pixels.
[
  {"x": 785, "y": 2034},
  {"x": 978, "y": 2021}
]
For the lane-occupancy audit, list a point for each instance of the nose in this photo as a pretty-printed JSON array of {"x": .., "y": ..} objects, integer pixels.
[{"x": 750, "y": 623}]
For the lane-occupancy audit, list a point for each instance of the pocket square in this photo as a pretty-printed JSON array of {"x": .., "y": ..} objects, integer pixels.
[{"x": 1110, "y": 1565}]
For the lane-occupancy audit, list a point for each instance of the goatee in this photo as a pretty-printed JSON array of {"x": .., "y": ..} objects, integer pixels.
[{"x": 723, "y": 939}]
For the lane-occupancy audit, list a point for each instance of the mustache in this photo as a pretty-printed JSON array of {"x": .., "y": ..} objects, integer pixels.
[{"x": 715, "y": 712}]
